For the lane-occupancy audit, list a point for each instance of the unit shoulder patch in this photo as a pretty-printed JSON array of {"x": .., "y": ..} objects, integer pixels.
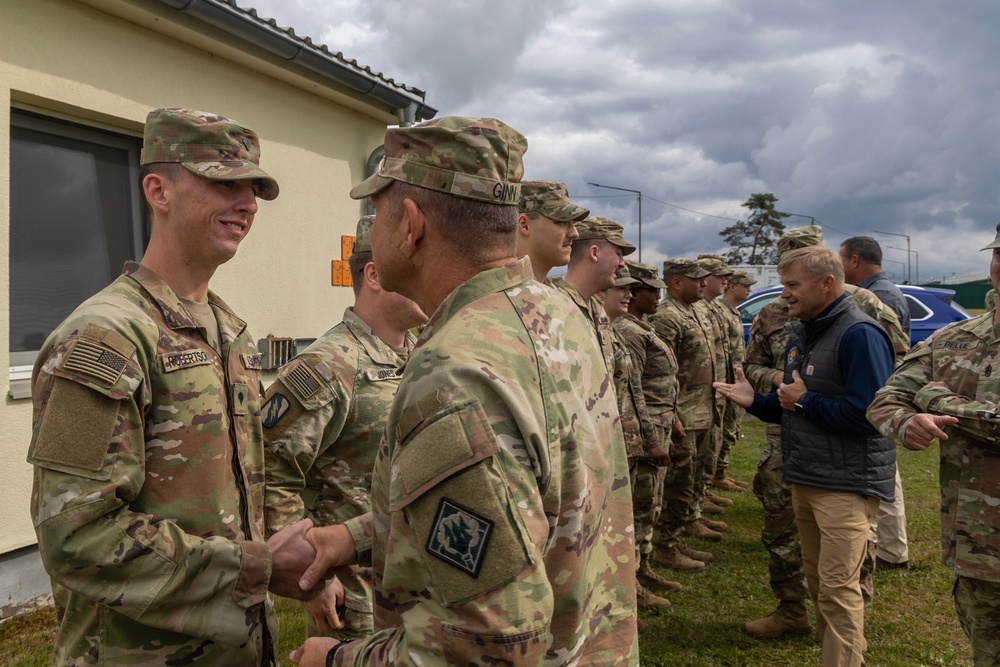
[
  {"x": 275, "y": 408},
  {"x": 460, "y": 536}
]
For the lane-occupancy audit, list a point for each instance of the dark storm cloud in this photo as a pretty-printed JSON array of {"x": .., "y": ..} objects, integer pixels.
[{"x": 864, "y": 115}]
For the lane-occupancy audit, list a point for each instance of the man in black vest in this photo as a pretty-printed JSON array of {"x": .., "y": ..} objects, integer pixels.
[{"x": 837, "y": 464}]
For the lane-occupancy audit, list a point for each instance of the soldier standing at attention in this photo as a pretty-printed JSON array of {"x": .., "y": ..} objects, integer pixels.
[
  {"x": 862, "y": 258},
  {"x": 737, "y": 291},
  {"x": 545, "y": 229},
  {"x": 501, "y": 515},
  {"x": 657, "y": 369},
  {"x": 636, "y": 424},
  {"x": 596, "y": 258},
  {"x": 711, "y": 311},
  {"x": 946, "y": 389},
  {"x": 147, "y": 447},
  {"x": 323, "y": 421},
  {"x": 689, "y": 336}
]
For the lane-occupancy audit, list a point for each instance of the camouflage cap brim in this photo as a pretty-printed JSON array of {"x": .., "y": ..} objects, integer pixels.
[
  {"x": 653, "y": 282},
  {"x": 627, "y": 248},
  {"x": 267, "y": 187},
  {"x": 996, "y": 241},
  {"x": 370, "y": 186},
  {"x": 567, "y": 213},
  {"x": 625, "y": 281}
]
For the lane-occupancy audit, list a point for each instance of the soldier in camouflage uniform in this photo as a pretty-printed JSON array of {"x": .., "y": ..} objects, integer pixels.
[
  {"x": 501, "y": 524},
  {"x": 737, "y": 291},
  {"x": 764, "y": 367},
  {"x": 637, "y": 427},
  {"x": 146, "y": 445},
  {"x": 545, "y": 229},
  {"x": 596, "y": 257},
  {"x": 945, "y": 390},
  {"x": 323, "y": 419},
  {"x": 657, "y": 368},
  {"x": 711, "y": 311},
  {"x": 688, "y": 334}
]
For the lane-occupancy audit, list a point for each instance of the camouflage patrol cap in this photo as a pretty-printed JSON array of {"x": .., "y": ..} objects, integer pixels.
[
  {"x": 208, "y": 145},
  {"x": 715, "y": 265},
  {"x": 623, "y": 278},
  {"x": 800, "y": 237},
  {"x": 646, "y": 274},
  {"x": 742, "y": 278},
  {"x": 683, "y": 267},
  {"x": 551, "y": 199},
  {"x": 361, "y": 240},
  {"x": 474, "y": 158},
  {"x": 996, "y": 241},
  {"x": 606, "y": 230}
]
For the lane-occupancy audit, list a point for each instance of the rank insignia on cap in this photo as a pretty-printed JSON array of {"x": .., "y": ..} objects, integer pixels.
[
  {"x": 459, "y": 537},
  {"x": 94, "y": 360},
  {"x": 274, "y": 410}
]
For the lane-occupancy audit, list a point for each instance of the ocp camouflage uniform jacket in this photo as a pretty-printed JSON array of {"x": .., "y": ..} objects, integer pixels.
[
  {"x": 657, "y": 368},
  {"x": 323, "y": 420},
  {"x": 500, "y": 497},
  {"x": 148, "y": 488},
  {"x": 689, "y": 336},
  {"x": 965, "y": 356},
  {"x": 733, "y": 334},
  {"x": 593, "y": 310},
  {"x": 636, "y": 425}
]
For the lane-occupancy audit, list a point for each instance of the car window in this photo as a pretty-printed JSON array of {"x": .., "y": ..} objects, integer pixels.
[
  {"x": 918, "y": 311},
  {"x": 749, "y": 310}
]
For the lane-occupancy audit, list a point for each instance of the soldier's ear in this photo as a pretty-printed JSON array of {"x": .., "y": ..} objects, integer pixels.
[
  {"x": 522, "y": 225},
  {"x": 155, "y": 188},
  {"x": 370, "y": 276}
]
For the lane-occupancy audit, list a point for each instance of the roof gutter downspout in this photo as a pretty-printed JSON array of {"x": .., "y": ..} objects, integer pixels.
[{"x": 407, "y": 106}]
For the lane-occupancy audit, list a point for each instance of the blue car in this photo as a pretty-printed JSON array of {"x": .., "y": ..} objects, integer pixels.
[{"x": 930, "y": 309}]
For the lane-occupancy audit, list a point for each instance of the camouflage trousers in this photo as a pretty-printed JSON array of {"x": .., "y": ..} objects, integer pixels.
[
  {"x": 779, "y": 534},
  {"x": 680, "y": 499},
  {"x": 731, "y": 419},
  {"x": 647, "y": 501},
  {"x": 706, "y": 454},
  {"x": 978, "y": 604}
]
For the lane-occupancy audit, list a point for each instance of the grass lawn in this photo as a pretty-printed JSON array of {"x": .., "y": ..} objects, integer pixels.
[{"x": 911, "y": 624}]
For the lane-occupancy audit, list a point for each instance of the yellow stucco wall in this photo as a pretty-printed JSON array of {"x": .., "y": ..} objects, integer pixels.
[{"x": 74, "y": 60}]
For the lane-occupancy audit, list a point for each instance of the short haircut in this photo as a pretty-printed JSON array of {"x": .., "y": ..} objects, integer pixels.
[
  {"x": 357, "y": 263},
  {"x": 817, "y": 261},
  {"x": 480, "y": 230},
  {"x": 582, "y": 246},
  {"x": 864, "y": 247},
  {"x": 169, "y": 170}
]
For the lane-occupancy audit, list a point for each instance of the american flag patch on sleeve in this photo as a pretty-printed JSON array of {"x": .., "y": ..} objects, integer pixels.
[
  {"x": 93, "y": 360},
  {"x": 302, "y": 380}
]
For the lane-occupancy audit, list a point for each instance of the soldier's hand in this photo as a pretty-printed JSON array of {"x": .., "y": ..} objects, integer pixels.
[
  {"x": 659, "y": 456},
  {"x": 923, "y": 428},
  {"x": 313, "y": 652},
  {"x": 677, "y": 431},
  {"x": 334, "y": 548},
  {"x": 740, "y": 392},
  {"x": 291, "y": 555},
  {"x": 790, "y": 393},
  {"x": 324, "y": 610}
]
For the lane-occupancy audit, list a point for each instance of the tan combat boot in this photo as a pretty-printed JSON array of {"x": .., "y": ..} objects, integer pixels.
[
  {"x": 790, "y": 616},
  {"x": 726, "y": 483},
  {"x": 717, "y": 526},
  {"x": 649, "y": 600},
  {"x": 675, "y": 560},
  {"x": 718, "y": 500},
  {"x": 654, "y": 581},
  {"x": 708, "y": 507},
  {"x": 697, "y": 554},
  {"x": 699, "y": 529}
]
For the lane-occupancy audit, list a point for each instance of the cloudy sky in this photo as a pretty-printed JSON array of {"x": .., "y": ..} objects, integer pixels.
[{"x": 863, "y": 115}]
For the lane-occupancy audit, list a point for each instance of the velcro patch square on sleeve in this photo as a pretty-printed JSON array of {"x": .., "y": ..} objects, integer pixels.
[
  {"x": 94, "y": 360},
  {"x": 302, "y": 381},
  {"x": 459, "y": 536}
]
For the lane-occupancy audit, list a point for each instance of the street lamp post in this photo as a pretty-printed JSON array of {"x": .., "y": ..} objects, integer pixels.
[
  {"x": 912, "y": 252},
  {"x": 637, "y": 192},
  {"x": 909, "y": 275}
]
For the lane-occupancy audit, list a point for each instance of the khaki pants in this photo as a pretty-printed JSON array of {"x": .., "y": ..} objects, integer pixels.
[
  {"x": 889, "y": 528},
  {"x": 833, "y": 529}
]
